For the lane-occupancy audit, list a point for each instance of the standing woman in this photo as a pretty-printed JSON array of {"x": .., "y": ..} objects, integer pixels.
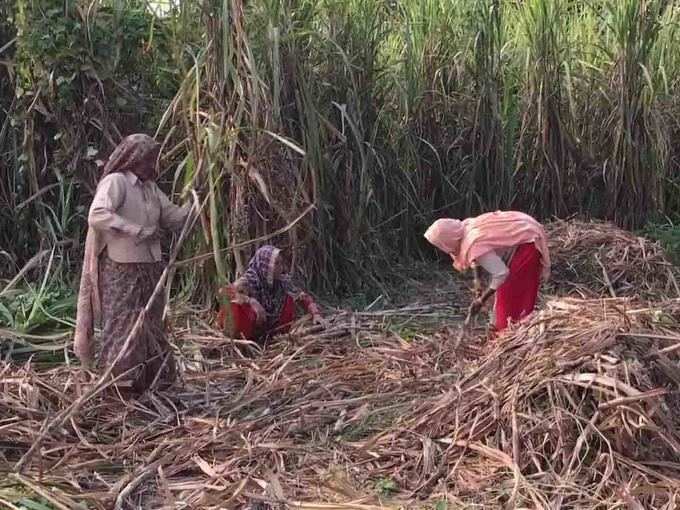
[
  {"x": 510, "y": 246},
  {"x": 122, "y": 266}
]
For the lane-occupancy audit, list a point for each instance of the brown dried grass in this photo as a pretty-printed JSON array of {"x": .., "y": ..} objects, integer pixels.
[
  {"x": 577, "y": 408},
  {"x": 591, "y": 259}
]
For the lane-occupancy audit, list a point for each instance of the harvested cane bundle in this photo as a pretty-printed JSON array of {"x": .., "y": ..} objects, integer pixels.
[
  {"x": 575, "y": 409},
  {"x": 592, "y": 259}
]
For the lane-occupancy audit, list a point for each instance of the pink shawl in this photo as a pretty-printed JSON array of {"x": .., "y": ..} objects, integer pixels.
[{"x": 469, "y": 239}]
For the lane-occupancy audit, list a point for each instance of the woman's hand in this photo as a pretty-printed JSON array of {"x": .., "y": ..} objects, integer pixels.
[
  {"x": 478, "y": 304},
  {"x": 475, "y": 307},
  {"x": 261, "y": 315},
  {"x": 319, "y": 320},
  {"x": 235, "y": 293},
  {"x": 147, "y": 235},
  {"x": 473, "y": 310},
  {"x": 239, "y": 298}
]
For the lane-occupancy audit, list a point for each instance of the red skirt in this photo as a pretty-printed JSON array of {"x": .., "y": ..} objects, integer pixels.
[
  {"x": 516, "y": 298},
  {"x": 245, "y": 318}
]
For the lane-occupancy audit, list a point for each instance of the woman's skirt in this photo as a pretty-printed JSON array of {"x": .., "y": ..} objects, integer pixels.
[
  {"x": 125, "y": 290},
  {"x": 516, "y": 298},
  {"x": 244, "y": 319}
]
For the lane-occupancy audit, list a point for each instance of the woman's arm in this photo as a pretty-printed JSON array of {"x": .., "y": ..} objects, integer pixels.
[
  {"x": 499, "y": 272},
  {"x": 238, "y": 293},
  {"x": 107, "y": 200},
  {"x": 308, "y": 303},
  {"x": 310, "y": 306},
  {"x": 478, "y": 281},
  {"x": 172, "y": 216}
]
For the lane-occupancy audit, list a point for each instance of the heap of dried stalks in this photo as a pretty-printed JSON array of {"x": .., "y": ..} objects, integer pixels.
[
  {"x": 592, "y": 259},
  {"x": 577, "y": 408}
]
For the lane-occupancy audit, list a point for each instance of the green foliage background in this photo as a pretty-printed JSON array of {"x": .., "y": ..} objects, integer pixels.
[{"x": 383, "y": 115}]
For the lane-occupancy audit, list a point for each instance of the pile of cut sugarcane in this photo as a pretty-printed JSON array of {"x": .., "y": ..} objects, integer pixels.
[
  {"x": 579, "y": 407},
  {"x": 592, "y": 259}
]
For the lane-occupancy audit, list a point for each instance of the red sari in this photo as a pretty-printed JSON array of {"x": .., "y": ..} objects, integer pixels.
[
  {"x": 272, "y": 291},
  {"x": 244, "y": 316},
  {"x": 516, "y": 298}
]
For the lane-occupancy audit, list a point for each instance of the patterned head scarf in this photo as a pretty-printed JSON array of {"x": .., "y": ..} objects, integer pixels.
[
  {"x": 137, "y": 154},
  {"x": 269, "y": 291}
]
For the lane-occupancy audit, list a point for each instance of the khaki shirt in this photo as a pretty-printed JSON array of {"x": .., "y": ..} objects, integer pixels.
[{"x": 122, "y": 206}]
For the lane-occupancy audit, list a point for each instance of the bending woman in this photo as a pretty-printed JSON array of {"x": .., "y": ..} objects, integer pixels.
[
  {"x": 510, "y": 246},
  {"x": 122, "y": 266},
  {"x": 263, "y": 301}
]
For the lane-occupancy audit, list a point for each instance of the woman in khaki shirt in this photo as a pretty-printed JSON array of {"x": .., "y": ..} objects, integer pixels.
[{"x": 123, "y": 265}]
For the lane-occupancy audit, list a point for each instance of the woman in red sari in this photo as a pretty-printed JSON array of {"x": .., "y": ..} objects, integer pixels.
[
  {"x": 263, "y": 301},
  {"x": 510, "y": 246}
]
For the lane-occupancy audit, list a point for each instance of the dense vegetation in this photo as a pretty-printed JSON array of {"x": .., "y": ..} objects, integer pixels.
[
  {"x": 341, "y": 129},
  {"x": 383, "y": 114}
]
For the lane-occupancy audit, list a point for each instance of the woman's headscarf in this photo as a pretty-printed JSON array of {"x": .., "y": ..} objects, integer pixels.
[
  {"x": 133, "y": 154},
  {"x": 469, "y": 239},
  {"x": 137, "y": 154},
  {"x": 269, "y": 291},
  {"x": 445, "y": 234}
]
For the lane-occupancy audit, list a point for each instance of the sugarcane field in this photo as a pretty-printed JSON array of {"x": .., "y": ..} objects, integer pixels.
[{"x": 339, "y": 254}]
